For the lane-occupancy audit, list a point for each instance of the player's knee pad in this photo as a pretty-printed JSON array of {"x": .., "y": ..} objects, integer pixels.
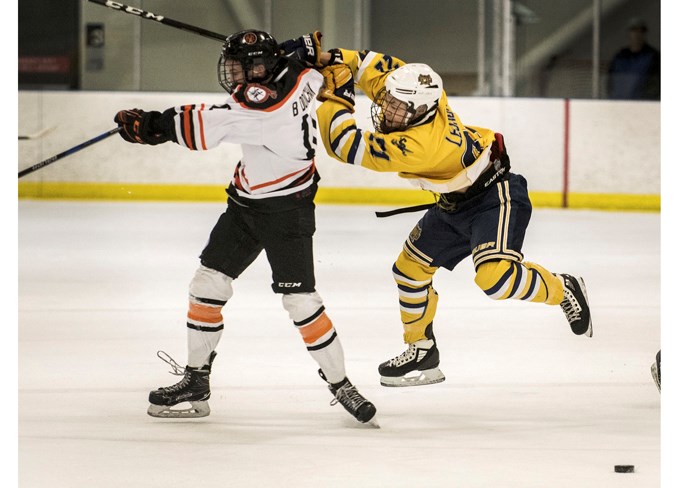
[
  {"x": 209, "y": 285},
  {"x": 307, "y": 312},
  {"x": 496, "y": 278},
  {"x": 408, "y": 270},
  {"x": 301, "y": 306},
  {"x": 209, "y": 290},
  {"x": 505, "y": 279}
]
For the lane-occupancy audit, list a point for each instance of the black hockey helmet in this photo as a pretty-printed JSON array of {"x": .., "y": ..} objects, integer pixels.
[{"x": 249, "y": 55}]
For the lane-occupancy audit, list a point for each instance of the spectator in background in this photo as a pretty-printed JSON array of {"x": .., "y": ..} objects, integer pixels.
[{"x": 635, "y": 72}]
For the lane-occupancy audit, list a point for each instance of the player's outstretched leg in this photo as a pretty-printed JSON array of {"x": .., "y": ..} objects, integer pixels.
[
  {"x": 418, "y": 365},
  {"x": 506, "y": 279},
  {"x": 193, "y": 389},
  {"x": 347, "y": 395},
  {"x": 575, "y": 305}
]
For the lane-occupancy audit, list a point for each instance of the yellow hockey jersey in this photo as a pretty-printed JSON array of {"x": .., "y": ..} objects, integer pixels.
[{"x": 440, "y": 155}]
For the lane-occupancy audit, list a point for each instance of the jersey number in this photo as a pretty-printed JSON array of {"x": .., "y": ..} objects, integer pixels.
[
  {"x": 305, "y": 127},
  {"x": 380, "y": 151},
  {"x": 388, "y": 64}
]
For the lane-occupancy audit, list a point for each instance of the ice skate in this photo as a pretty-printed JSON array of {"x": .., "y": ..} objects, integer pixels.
[
  {"x": 347, "y": 395},
  {"x": 656, "y": 371},
  {"x": 575, "y": 305},
  {"x": 416, "y": 366},
  {"x": 192, "y": 389},
  {"x": 656, "y": 376}
]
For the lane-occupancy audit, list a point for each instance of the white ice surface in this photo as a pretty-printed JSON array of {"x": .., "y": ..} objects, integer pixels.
[{"x": 103, "y": 286}]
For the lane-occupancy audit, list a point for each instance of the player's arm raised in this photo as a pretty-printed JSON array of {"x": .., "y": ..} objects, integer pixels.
[
  {"x": 340, "y": 135},
  {"x": 369, "y": 68}
]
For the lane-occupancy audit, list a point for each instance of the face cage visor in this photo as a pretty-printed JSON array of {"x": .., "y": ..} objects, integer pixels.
[
  {"x": 389, "y": 114},
  {"x": 231, "y": 72}
]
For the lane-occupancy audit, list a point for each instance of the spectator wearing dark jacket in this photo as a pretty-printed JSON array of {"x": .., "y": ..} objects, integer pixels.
[{"x": 634, "y": 73}]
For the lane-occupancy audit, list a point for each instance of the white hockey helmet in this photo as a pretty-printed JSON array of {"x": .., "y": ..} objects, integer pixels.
[
  {"x": 416, "y": 89},
  {"x": 415, "y": 83}
]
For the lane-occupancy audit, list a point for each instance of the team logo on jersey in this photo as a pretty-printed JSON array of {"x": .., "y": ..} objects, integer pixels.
[
  {"x": 401, "y": 144},
  {"x": 250, "y": 38},
  {"x": 415, "y": 233},
  {"x": 425, "y": 80},
  {"x": 258, "y": 93}
]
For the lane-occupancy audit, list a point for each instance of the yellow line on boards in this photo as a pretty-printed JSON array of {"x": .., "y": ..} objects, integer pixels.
[{"x": 325, "y": 195}]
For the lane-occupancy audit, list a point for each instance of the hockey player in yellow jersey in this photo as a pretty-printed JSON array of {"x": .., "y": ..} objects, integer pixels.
[{"x": 482, "y": 209}]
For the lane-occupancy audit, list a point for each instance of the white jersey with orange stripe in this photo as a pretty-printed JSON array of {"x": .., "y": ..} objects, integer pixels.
[{"x": 275, "y": 124}]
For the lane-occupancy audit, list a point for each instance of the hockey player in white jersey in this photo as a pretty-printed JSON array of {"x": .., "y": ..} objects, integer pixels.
[{"x": 271, "y": 112}]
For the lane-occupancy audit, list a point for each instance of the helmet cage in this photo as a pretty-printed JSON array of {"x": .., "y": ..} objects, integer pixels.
[
  {"x": 410, "y": 94},
  {"x": 389, "y": 114}
]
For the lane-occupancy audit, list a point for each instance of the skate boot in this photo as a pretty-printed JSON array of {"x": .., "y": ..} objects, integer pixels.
[
  {"x": 416, "y": 366},
  {"x": 193, "y": 388},
  {"x": 347, "y": 395},
  {"x": 575, "y": 305}
]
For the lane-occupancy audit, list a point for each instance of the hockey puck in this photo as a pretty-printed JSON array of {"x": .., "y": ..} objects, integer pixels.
[{"x": 624, "y": 468}]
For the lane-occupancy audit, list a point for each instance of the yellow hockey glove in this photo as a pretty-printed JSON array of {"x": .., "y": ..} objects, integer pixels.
[{"x": 338, "y": 86}]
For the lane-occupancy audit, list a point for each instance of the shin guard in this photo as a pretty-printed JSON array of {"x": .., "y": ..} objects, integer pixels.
[
  {"x": 418, "y": 298},
  {"x": 317, "y": 331},
  {"x": 526, "y": 281}
]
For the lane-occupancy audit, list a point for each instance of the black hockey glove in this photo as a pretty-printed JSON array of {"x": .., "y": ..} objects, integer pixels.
[
  {"x": 338, "y": 86},
  {"x": 138, "y": 127},
  {"x": 306, "y": 49}
]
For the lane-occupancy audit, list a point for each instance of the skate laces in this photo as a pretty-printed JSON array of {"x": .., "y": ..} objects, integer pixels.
[
  {"x": 177, "y": 370},
  {"x": 185, "y": 381},
  {"x": 572, "y": 309},
  {"x": 405, "y": 357},
  {"x": 348, "y": 395}
]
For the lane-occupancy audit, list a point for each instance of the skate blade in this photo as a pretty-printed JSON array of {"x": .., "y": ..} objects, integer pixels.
[
  {"x": 585, "y": 294},
  {"x": 373, "y": 422},
  {"x": 415, "y": 378},
  {"x": 654, "y": 374},
  {"x": 196, "y": 410}
]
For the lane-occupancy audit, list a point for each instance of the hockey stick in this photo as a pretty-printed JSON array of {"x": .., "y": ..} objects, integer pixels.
[
  {"x": 68, "y": 152},
  {"x": 36, "y": 135},
  {"x": 160, "y": 18}
]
